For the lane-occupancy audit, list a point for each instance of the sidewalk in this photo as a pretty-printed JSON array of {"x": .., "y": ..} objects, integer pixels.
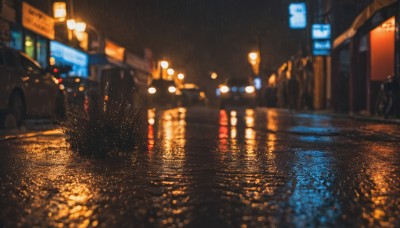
[
  {"x": 358, "y": 117},
  {"x": 31, "y": 127}
]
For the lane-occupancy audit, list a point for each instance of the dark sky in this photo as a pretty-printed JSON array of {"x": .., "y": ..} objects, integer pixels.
[{"x": 197, "y": 36}]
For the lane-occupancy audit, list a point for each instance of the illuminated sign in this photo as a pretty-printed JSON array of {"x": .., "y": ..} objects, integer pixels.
[
  {"x": 114, "y": 51},
  {"x": 37, "y": 21},
  {"x": 321, "y": 31},
  {"x": 66, "y": 56},
  {"x": 321, "y": 47},
  {"x": 297, "y": 15},
  {"x": 60, "y": 10},
  {"x": 321, "y": 35}
]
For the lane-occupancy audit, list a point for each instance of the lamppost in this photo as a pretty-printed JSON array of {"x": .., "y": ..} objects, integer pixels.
[
  {"x": 170, "y": 73},
  {"x": 163, "y": 66},
  {"x": 179, "y": 79},
  {"x": 181, "y": 76},
  {"x": 214, "y": 75},
  {"x": 254, "y": 60}
]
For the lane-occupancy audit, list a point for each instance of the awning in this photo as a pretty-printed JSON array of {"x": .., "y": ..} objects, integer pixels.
[
  {"x": 102, "y": 59},
  {"x": 361, "y": 19}
]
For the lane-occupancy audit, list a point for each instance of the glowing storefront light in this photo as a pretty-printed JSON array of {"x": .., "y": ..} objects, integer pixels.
[
  {"x": 60, "y": 10},
  {"x": 67, "y": 56}
]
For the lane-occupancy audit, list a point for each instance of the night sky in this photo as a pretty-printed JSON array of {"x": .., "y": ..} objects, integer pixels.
[{"x": 197, "y": 36}]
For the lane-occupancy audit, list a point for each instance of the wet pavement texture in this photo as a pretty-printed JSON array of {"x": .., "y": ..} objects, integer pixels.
[{"x": 205, "y": 167}]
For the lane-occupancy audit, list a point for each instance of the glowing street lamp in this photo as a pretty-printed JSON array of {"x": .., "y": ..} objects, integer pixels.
[
  {"x": 71, "y": 24},
  {"x": 214, "y": 75},
  {"x": 60, "y": 11},
  {"x": 170, "y": 71},
  {"x": 254, "y": 60},
  {"x": 164, "y": 64},
  {"x": 181, "y": 76},
  {"x": 253, "y": 57},
  {"x": 80, "y": 27}
]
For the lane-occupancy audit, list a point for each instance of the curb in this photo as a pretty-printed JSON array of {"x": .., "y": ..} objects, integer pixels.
[
  {"x": 29, "y": 134},
  {"x": 359, "y": 117}
]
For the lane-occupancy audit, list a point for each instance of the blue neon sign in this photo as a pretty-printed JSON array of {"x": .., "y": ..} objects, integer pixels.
[
  {"x": 321, "y": 31},
  {"x": 67, "y": 56},
  {"x": 297, "y": 15}
]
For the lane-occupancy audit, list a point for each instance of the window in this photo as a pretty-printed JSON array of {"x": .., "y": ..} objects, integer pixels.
[
  {"x": 30, "y": 45},
  {"x": 41, "y": 51},
  {"x": 16, "y": 39},
  {"x": 30, "y": 66}
]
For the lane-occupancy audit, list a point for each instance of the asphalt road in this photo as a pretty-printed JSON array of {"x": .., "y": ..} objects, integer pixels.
[{"x": 210, "y": 168}]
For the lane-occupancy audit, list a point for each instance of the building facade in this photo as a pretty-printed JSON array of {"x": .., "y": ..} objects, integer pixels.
[{"x": 363, "y": 56}]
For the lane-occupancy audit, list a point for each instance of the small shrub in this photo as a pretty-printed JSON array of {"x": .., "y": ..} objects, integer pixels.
[{"x": 97, "y": 131}]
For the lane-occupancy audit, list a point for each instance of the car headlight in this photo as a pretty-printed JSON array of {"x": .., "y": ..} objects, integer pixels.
[
  {"x": 152, "y": 90},
  {"x": 172, "y": 89},
  {"x": 224, "y": 89},
  {"x": 250, "y": 89}
]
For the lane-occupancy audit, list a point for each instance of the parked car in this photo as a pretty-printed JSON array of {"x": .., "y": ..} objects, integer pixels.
[
  {"x": 237, "y": 92},
  {"x": 163, "y": 93},
  {"x": 26, "y": 89},
  {"x": 191, "y": 94},
  {"x": 77, "y": 89}
]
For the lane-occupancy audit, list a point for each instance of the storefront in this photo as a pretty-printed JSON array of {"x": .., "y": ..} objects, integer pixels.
[
  {"x": 363, "y": 57},
  {"x": 34, "y": 35},
  {"x": 142, "y": 70},
  {"x": 63, "y": 55},
  {"x": 112, "y": 56}
]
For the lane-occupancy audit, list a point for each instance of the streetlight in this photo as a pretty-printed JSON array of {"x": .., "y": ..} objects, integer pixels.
[
  {"x": 181, "y": 76},
  {"x": 164, "y": 64},
  {"x": 254, "y": 60},
  {"x": 60, "y": 11},
  {"x": 214, "y": 75},
  {"x": 253, "y": 57},
  {"x": 71, "y": 24},
  {"x": 80, "y": 26},
  {"x": 170, "y": 71}
]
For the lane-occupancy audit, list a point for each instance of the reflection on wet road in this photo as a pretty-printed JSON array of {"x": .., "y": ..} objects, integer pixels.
[{"x": 214, "y": 168}]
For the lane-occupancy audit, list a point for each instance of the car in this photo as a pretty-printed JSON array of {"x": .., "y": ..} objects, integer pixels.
[
  {"x": 26, "y": 89},
  {"x": 77, "y": 89},
  {"x": 163, "y": 92},
  {"x": 237, "y": 92},
  {"x": 192, "y": 95}
]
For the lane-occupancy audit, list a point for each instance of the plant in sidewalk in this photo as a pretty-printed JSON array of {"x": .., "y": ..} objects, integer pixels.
[{"x": 98, "y": 130}]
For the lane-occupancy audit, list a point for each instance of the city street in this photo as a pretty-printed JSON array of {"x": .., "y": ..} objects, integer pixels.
[{"x": 209, "y": 168}]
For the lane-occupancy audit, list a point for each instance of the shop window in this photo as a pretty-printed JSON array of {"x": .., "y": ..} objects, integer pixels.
[
  {"x": 30, "y": 45},
  {"x": 382, "y": 50},
  {"x": 16, "y": 39},
  {"x": 41, "y": 52}
]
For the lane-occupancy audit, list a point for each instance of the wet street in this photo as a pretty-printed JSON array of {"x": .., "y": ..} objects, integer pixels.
[{"x": 204, "y": 167}]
